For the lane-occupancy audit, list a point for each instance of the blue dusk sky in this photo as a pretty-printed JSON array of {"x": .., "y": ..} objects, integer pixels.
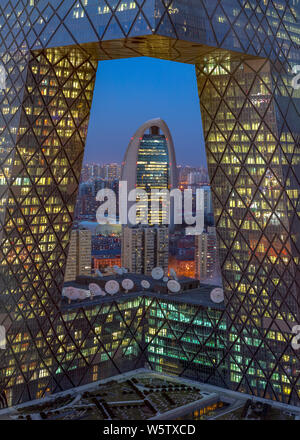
[{"x": 132, "y": 91}]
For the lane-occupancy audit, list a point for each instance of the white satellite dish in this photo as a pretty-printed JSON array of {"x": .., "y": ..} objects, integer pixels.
[
  {"x": 145, "y": 284},
  {"x": 71, "y": 293},
  {"x": 82, "y": 294},
  {"x": 165, "y": 279},
  {"x": 157, "y": 273},
  {"x": 127, "y": 284},
  {"x": 173, "y": 286},
  {"x": 217, "y": 295},
  {"x": 112, "y": 287},
  {"x": 65, "y": 292},
  {"x": 173, "y": 274},
  {"x": 96, "y": 290},
  {"x": 75, "y": 293}
]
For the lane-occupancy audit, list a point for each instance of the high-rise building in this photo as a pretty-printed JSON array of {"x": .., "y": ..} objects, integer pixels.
[
  {"x": 96, "y": 170},
  {"x": 86, "y": 173},
  {"x": 79, "y": 255},
  {"x": 208, "y": 206},
  {"x": 99, "y": 184},
  {"x": 111, "y": 171},
  {"x": 206, "y": 255},
  {"x": 140, "y": 332},
  {"x": 196, "y": 177},
  {"x": 246, "y": 55},
  {"x": 150, "y": 164},
  {"x": 144, "y": 248}
]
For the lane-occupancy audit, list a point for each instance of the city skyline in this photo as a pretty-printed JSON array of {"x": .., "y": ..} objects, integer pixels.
[{"x": 148, "y": 163}]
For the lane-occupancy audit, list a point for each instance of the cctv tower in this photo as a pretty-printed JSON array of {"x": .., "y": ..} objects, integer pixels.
[{"x": 246, "y": 56}]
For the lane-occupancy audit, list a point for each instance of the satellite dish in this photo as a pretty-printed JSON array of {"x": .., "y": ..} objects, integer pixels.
[
  {"x": 3, "y": 76},
  {"x": 96, "y": 290},
  {"x": 71, "y": 293},
  {"x": 65, "y": 291},
  {"x": 157, "y": 273},
  {"x": 173, "y": 274},
  {"x": 165, "y": 279},
  {"x": 145, "y": 284},
  {"x": 100, "y": 274},
  {"x": 173, "y": 286},
  {"x": 217, "y": 295},
  {"x": 112, "y": 287},
  {"x": 82, "y": 294},
  {"x": 127, "y": 284}
]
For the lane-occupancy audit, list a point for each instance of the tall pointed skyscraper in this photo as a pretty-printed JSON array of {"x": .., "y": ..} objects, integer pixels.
[{"x": 149, "y": 164}]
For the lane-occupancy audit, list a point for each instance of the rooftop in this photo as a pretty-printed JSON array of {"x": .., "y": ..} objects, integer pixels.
[
  {"x": 192, "y": 292},
  {"x": 143, "y": 395}
]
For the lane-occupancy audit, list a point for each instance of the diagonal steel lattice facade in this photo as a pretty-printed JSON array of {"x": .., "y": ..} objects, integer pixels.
[{"x": 245, "y": 54}]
